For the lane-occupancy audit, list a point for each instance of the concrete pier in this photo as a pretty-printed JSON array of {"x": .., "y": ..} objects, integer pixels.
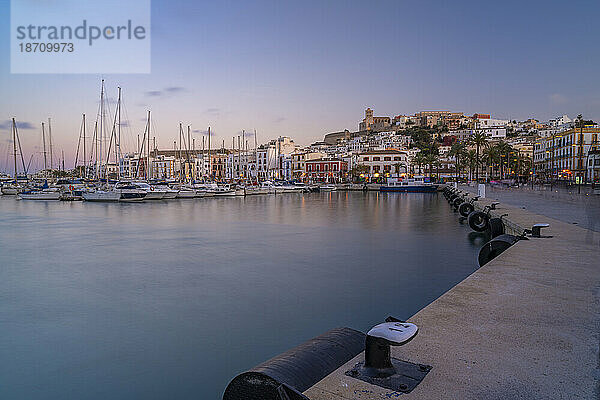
[{"x": 524, "y": 326}]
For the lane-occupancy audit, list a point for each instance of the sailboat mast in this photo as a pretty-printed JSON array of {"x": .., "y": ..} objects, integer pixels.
[
  {"x": 241, "y": 147},
  {"x": 255, "y": 157},
  {"x": 118, "y": 138},
  {"x": 44, "y": 145},
  {"x": 50, "y": 142},
  {"x": 99, "y": 167},
  {"x": 189, "y": 143},
  {"x": 148, "y": 150},
  {"x": 209, "y": 157},
  {"x": 14, "y": 127},
  {"x": 84, "y": 159}
]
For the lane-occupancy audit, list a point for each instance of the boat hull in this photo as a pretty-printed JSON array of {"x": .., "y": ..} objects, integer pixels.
[
  {"x": 132, "y": 197},
  {"x": 101, "y": 196},
  {"x": 186, "y": 194},
  {"x": 224, "y": 193},
  {"x": 155, "y": 195},
  {"x": 11, "y": 191},
  {"x": 170, "y": 194},
  {"x": 40, "y": 196}
]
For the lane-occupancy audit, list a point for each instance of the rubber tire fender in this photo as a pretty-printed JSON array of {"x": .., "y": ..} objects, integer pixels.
[
  {"x": 465, "y": 209},
  {"x": 496, "y": 227},
  {"x": 478, "y": 221},
  {"x": 457, "y": 202}
]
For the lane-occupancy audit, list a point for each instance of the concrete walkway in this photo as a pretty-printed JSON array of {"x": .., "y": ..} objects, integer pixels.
[
  {"x": 564, "y": 205},
  {"x": 524, "y": 326}
]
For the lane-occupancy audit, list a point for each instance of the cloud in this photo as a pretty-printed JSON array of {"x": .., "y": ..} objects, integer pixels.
[
  {"x": 213, "y": 111},
  {"x": 558, "y": 98},
  {"x": 247, "y": 133},
  {"x": 175, "y": 89},
  {"x": 204, "y": 132},
  {"x": 20, "y": 125},
  {"x": 166, "y": 92}
]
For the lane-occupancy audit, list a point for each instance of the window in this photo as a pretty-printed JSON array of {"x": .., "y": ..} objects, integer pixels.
[
  {"x": 387, "y": 158},
  {"x": 396, "y": 158},
  {"x": 376, "y": 168},
  {"x": 376, "y": 158},
  {"x": 387, "y": 168},
  {"x": 366, "y": 159}
]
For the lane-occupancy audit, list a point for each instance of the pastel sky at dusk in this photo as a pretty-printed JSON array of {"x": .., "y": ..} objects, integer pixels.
[{"x": 305, "y": 68}]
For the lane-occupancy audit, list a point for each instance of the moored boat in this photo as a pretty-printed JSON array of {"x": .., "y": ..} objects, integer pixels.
[
  {"x": 43, "y": 194},
  {"x": 327, "y": 188}
]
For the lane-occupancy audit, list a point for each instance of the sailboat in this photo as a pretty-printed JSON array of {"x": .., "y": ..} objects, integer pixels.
[
  {"x": 14, "y": 188},
  {"x": 45, "y": 193}
]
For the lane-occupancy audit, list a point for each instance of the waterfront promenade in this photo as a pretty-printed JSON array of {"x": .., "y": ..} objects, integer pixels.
[
  {"x": 560, "y": 203},
  {"x": 524, "y": 326}
]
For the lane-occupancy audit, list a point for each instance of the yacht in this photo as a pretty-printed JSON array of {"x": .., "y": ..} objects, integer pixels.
[
  {"x": 123, "y": 191},
  {"x": 130, "y": 192},
  {"x": 152, "y": 193},
  {"x": 101, "y": 195},
  {"x": 169, "y": 192},
  {"x": 224, "y": 190},
  {"x": 327, "y": 188},
  {"x": 186, "y": 192}
]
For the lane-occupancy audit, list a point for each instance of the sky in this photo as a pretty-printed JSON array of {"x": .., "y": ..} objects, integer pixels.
[{"x": 306, "y": 68}]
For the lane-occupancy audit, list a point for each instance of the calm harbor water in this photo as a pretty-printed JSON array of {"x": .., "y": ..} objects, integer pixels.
[{"x": 173, "y": 299}]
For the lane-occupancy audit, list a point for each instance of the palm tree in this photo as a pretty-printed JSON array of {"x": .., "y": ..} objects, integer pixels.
[
  {"x": 479, "y": 140},
  {"x": 419, "y": 159},
  {"x": 457, "y": 151},
  {"x": 504, "y": 150},
  {"x": 431, "y": 159},
  {"x": 490, "y": 156},
  {"x": 397, "y": 167},
  {"x": 471, "y": 158},
  {"x": 359, "y": 169}
]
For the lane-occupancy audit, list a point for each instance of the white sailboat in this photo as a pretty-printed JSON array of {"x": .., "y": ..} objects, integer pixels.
[{"x": 43, "y": 194}]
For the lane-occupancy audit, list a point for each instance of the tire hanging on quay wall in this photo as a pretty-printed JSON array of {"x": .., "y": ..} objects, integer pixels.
[
  {"x": 458, "y": 202},
  {"x": 495, "y": 247},
  {"x": 465, "y": 209},
  {"x": 478, "y": 221},
  {"x": 496, "y": 227}
]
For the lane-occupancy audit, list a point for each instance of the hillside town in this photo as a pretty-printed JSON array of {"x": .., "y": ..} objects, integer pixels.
[{"x": 436, "y": 145}]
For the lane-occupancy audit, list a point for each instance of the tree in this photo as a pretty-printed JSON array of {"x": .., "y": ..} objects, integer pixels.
[
  {"x": 504, "y": 149},
  {"x": 491, "y": 157},
  {"x": 419, "y": 159},
  {"x": 471, "y": 157},
  {"x": 431, "y": 159},
  {"x": 358, "y": 170},
  {"x": 458, "y": 151},
  {"x": 397, "y": 167},
  {"x": 479, "y": 140}
]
